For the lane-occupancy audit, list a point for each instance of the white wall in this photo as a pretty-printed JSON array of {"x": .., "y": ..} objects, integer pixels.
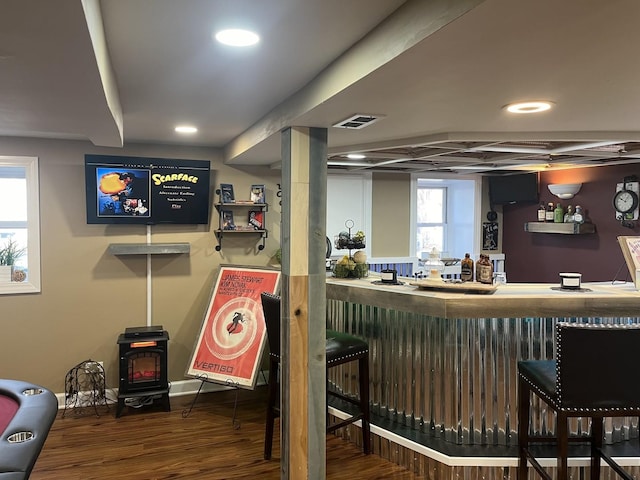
[{"x": 348, "y": 198}]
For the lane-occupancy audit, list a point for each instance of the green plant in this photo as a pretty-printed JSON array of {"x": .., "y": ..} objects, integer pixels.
[{"x": 10, "y": 252}]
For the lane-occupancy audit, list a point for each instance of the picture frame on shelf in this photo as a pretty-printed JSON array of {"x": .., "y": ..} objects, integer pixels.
[
  {"x": 257, "y": 193},
  {"x": 226, "y": 220},
  {"x": 256, "y": 219},
  {"x": 226, "y": 193}
]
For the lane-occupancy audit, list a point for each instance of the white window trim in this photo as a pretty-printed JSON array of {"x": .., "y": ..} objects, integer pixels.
[{"x": 32, "y": 285}]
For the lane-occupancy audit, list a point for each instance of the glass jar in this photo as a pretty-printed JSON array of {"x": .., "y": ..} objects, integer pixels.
[{"x": 434, "y": 265}]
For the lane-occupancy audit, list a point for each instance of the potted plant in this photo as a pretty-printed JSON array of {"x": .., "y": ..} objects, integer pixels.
[{"x": 9, "y": 253}]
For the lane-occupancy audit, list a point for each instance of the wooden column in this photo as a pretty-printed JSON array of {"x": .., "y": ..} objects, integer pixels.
[{"x": 303, "y": 340}]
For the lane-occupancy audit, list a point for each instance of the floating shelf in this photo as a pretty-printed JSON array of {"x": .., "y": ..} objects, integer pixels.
[
  {"x": 148, "y": 248},
  {"x": 562, "y": 228}
]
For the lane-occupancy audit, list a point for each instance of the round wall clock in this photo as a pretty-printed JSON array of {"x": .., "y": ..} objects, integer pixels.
[{"x": 625, "y": 201}]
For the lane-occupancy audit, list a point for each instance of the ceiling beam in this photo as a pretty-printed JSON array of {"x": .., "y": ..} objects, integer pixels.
[{"x": 408, "y": 25}]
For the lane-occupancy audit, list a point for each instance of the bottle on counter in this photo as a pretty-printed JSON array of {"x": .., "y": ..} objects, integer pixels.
[
  {"x": 484, "y": 270},
  {"x": 466, "y": 268},
  {"x": 568, "y": 216},
  {"x": 578, "y": 216},
  {"x": 542, "y": 210},
  {"x": 558, "y": 214},
  {"x": 548, "y": 215}
]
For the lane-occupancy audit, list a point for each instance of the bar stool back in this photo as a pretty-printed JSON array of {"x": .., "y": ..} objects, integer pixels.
[
  {"x": 341, "y": 348},
  {"x": 595, "y": 375}
]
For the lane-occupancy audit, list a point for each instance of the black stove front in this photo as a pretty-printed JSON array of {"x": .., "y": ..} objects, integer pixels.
[{"x": 143, "y": 367}]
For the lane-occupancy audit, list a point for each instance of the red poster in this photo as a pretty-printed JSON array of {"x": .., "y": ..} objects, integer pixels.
[{"x": 232, "y": 338}]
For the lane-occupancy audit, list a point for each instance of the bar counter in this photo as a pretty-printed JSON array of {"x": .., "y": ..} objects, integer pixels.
[
  {"x": 509, "y": 300},
  {"x": 444, "y": 364}
]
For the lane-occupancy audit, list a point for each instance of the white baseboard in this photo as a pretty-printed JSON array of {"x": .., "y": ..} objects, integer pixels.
[{"x": 177, "y": 388}]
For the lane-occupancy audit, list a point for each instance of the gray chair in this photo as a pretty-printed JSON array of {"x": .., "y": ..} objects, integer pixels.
[
  {"x": 595, "y": 375},
  {"x": 341, "y": 348}
]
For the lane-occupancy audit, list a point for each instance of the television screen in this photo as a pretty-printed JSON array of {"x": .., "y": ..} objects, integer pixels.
[
  {"x": 518, "y": 188},
  {"x": 140, "y": 190}
]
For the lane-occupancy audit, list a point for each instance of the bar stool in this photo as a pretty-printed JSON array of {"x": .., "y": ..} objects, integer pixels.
[
  {"x": 341, "y": 348},
  {"x": 595, "y": 375}
]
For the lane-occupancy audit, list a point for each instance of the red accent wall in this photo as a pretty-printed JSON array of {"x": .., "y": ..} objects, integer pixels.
[{"x": 540, "y": 257}]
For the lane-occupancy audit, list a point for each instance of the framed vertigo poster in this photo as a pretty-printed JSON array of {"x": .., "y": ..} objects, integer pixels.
[{"x": 233, "y": 333}]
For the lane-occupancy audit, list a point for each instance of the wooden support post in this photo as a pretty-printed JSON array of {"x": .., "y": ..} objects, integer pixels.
[{"x": 303, "y": 340}]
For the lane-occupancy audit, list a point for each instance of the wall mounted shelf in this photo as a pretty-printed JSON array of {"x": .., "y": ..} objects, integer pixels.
[
  {"x": 561, "y": 228},
  {"x": 148, "y": 248},
  {"x": 221, "y": 233},
  {"x": 243, "y": 208}
]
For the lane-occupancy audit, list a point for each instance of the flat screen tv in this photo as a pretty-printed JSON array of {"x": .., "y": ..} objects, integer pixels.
[
  {"x": 517, "y": 188},
  {"x": 142, "y": 190}
]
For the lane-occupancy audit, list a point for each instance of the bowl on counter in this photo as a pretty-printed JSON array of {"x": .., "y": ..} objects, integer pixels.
[{"x": 449, "y": 261}]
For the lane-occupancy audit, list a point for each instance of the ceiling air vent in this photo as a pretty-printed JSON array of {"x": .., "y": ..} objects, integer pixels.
[{"x": 358, "y": 121}]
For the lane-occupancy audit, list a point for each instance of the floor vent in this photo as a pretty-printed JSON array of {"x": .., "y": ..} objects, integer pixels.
[{"x": 358, "y": 121}]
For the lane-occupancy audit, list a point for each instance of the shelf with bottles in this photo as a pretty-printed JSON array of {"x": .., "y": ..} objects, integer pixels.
[
  {"x": 553, "y": 218},
  {"x": 569, "y": 228},
  {"x": 229, "y": 211}
]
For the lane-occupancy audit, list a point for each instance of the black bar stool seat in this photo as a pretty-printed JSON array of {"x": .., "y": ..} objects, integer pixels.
[
  {"x": 595, "y": 375},
  {"x": 340, "y": 348}
]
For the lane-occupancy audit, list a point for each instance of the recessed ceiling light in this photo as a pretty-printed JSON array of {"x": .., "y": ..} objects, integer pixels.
[
  {"x": 355, "y": 156},
  {"x": 186, "y": 129},
  {"x": 528, "y": 107},
  {"x": 237, "y": 38}
]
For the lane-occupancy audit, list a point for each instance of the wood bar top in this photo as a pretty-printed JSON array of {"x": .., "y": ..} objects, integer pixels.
[{"x": 513, "y": 300}]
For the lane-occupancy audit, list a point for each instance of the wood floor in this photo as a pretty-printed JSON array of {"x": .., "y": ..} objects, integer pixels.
[{"x": 151, "y": 444}]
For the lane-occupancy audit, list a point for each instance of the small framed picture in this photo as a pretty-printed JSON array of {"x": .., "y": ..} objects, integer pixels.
[
  {"x": 226, "y": 193},
  {"x": 256, "y": 219},
  {"x": 257, "y": 193},
  {"x": 226, "y": 220}
]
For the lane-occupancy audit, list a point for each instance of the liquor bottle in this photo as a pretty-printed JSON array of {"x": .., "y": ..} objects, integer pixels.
[
  {"x": 568, "y": 217},
  {"x": 466, "y": 268},
  {"x": 484, "y": 270},
  {"x": 542, "y": 212},
  {"x": 548, "y": 215},
  {"x": 578, "y": 216},
  {"x": 558, "y": 214}
]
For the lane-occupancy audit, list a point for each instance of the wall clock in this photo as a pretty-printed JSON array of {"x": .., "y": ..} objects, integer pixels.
[{"x": 625, "y": 201}]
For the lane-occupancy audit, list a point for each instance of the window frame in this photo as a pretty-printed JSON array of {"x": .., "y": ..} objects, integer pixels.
[{"x": 33, "y": 282}]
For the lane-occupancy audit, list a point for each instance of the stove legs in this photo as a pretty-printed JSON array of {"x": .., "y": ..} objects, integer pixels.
[{"x": 144, "y": 400}]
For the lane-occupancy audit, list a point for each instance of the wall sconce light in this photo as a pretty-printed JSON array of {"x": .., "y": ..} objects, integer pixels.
[{"x": 565, "y": 191}]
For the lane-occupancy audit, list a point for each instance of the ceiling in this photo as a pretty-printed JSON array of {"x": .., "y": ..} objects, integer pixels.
[{"x": 437, "y": 74}]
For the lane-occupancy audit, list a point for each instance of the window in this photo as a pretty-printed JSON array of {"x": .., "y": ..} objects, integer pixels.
[
  {"x": 20, "y": 222},
  {"x": 444, "y": 212},
  {"x": 432, "y": 214}
]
